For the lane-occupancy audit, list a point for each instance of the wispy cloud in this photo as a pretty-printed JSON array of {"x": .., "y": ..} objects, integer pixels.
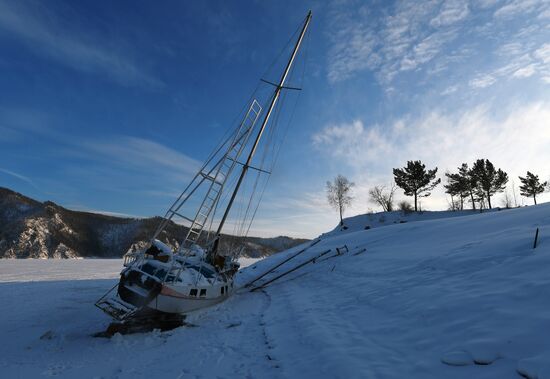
[
  {"x": 141, "y": 154},
  {"x": 45, "y": 33},
  {"x": 18, "y": 123},
  {"x": 523, "y": 61},
  {"x": 525, "y": 72},
  {"x": 482, "y": 81},
  {"x": 451, "y": 11},
  {"x": 430, "y": 37},
  {"x": 515, "y": 7},
  {"x": 21, "y": 177},
  {"x": 410, "y": 35}
]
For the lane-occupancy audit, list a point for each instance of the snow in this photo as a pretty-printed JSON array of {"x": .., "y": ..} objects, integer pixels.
[
  {"x": 376, "y": 220},
  {"x": 451, "y": 297},
  {"x": 37, "y": 270},
  {"x": 245, "y": 262}
]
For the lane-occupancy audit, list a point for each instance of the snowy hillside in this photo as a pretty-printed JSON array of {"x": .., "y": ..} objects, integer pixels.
[
  {"x": 376, "y": 220},
  {"x": 459, "y": 297},
  {"x": 31, "y": 229}
]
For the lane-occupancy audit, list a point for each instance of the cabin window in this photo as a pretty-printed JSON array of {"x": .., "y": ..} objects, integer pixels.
[
  {"x": 193, "y": 292},
  {"x": 225, "y": 288},
  {"x": 160, "y": 273},
  {"x": 172, "y": 276},
  {"x": 222, "y": 290},
  {"x": 203, "y": 291},
  {"x": 148, "y": 268}
]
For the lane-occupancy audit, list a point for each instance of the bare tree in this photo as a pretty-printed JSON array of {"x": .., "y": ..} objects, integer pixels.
[
  {"x": 514, "y": 194},
  {"x": 339, "y": 194},
  {"x": 507, "y": 200},
  {"x": 405, "y": 206},
  {"x": 383, "y": 196},
  {"x": 455, "y": 204}
]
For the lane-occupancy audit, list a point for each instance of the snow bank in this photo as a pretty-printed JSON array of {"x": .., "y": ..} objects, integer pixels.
[
  {"x": 376, "y": 220},
  {"x": 455, "y": 297}
]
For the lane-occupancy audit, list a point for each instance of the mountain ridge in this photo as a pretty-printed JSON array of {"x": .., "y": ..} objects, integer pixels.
[{"x": 34, "y": 229}]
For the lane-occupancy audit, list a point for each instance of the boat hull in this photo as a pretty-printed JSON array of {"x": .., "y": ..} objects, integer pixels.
[
  {"x": 171, "y": 298},
  {"x": 183, "y": 304}
]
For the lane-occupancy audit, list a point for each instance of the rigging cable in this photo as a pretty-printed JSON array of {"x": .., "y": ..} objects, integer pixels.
[{"x": 285, "y": 132}]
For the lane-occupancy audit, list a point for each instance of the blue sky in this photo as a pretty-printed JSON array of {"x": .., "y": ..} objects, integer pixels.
[{"x": 110, "y": 106}]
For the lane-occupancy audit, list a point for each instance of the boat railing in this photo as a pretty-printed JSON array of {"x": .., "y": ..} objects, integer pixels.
[{"x": 130, "y": 258}]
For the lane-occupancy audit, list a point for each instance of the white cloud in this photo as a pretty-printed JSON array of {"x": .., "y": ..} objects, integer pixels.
[
  {"x": 427, "y": 38},
  {"x": 352, "y": 139},
  {"x": 23, "y": 178},
  {"x": 426, "y": 50},
  {"x": 139, "y": 153},
  {"x": 451, "y": 11},
  {"x": 525, "y": 72},
  {"x": 545, "y": 14},
  {"x": 543, "y": 53},
  {"x": 482, "y": 81},
  {"x": 444, "y": 140},
  {"x": 515, "y": 7},
  {"x": 449, "y": 90},
  {"x": 398, "y": 41},
  {"x": 485, "y": 4},
  {"x": 41, "y": 30}
]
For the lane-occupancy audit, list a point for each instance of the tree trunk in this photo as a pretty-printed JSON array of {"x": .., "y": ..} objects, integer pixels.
[
  {"x": 535, "y": 198},
  {"x": 415, "y": 207},
  {"x": 341, "y": 220},
  {"x": 473, "y": 202},
  {"x": 489, "y": 200},
  {"x": 452, "y": 203}
]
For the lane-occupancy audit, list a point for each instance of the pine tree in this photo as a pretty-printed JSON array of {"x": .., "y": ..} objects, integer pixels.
[
  {"x": 489, "y": 179},
  {"x": 531, "y": 186},
  {"x": 458, "y": 184},
  {"x": 469, "y": 181},
  {"x": 415, "y": 180}
]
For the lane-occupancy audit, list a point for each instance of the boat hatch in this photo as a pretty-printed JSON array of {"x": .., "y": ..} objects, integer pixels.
[
  {"x": 203, "y": 270},
  {"x": 153, "y": 271}
]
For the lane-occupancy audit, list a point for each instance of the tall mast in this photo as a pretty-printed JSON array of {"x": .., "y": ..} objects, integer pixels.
[{"x": 274, "y": 99}]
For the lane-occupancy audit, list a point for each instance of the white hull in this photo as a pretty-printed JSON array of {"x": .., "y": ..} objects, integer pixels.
[{"x": 170, "y": 301}]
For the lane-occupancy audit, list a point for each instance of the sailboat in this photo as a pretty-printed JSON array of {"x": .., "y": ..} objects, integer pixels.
[{"x": 195, "y": 274}]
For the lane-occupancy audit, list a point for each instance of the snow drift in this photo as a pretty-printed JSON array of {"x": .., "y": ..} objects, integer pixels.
[{"x": 455, "y": 297}]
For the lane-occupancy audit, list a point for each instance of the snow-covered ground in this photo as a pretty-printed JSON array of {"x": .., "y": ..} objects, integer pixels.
[
  {"x": 427, "y": 299},
  {"x": 37, "y": 270},
  {"x": 379, "y": 219}
]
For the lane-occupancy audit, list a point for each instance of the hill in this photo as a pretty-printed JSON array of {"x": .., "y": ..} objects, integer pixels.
[
  {"x": 375, "y": 220},
  {"x": 456, "y": 297},
  {"x": 31, "y": 229}
]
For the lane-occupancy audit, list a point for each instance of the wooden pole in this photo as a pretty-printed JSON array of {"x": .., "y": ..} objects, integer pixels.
[
  {"x": 282, "y": 263},
  {"x": 291, "y": 270}
]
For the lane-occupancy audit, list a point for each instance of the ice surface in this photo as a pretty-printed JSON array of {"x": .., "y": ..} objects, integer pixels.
[{"x": 457, "y": 290}]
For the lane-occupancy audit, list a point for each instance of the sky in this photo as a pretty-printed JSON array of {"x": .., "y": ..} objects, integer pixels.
[{"x": 112, "y": 106}]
